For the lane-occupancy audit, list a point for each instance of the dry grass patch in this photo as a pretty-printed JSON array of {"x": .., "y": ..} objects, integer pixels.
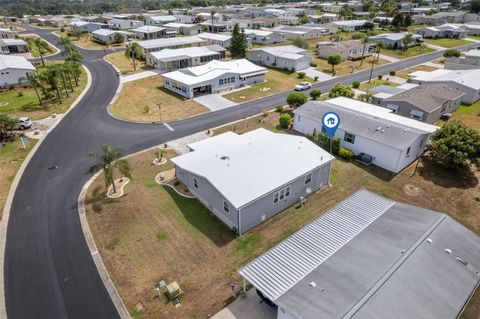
[
  {"x": 346, "y": 66},
  {"x": 410, "y": 52},
  {"x": 364, "y": 86},
  {"x": 138, "y": 102},
  {"x": 124, "y": 64},
  {"x": 404, "y": 73},
  {"x": 152, "y": 233}
]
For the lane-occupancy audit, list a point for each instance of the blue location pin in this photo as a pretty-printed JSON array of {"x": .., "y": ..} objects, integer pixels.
[{"x": 330, "y": 121}]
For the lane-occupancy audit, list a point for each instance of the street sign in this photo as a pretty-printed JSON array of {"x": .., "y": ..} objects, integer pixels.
[{"x": 330, "y": 121}]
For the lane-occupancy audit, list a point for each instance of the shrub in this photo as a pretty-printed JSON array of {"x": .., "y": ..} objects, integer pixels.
[
  {"x": 355, "y": 84},
  {"x": 296, "y": 99},
  {"x": 279, "y": 108},
  {"x": 315, "y": 78},
  {"x": 301, "y": 75},
  {"x": 392, "y": 72},
  {"x": 451, "y": 53},
  {"x": 340, "y": 89},
  {"x": 315, "y": 94},
  {"x": 313, "y": 65},
  {"x": 285, "y": 120},
  {"x": 20, "y": 94},
  {"x": 380, "y": 76},
  {"x": 345, "y": 153},
  {"x": 62, "y": 29}
]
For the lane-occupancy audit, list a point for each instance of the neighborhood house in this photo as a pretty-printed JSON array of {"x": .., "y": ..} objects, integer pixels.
[
  {"x": 287, "y": 57},
  {"x": 14, "y": 70},
  {"x": 174, "y": 59}
]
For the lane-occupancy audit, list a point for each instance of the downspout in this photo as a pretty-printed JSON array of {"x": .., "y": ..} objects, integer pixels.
[{"x": 238, "y": 223}]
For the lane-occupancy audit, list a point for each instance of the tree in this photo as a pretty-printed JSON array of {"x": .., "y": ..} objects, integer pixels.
[
  {"x": 42, "y": 47},
  {"x": 406, "y": 41},
  {"x": 300, "y": 42},
  {"x": 345, "y": 12},
  {"x": 374, "y": 11},
  {"x": 365, "y": 40},
  {"x": 398, "y": 21},
  {"x": 407, "y": 21},
  {"x": 7, "y": 124},
  {"x": 378, "y": 48},
  {"x": 34, "y": 80},
  {"x": 315, "y": 94},
  {"x": 451, "y": 53},
  {"x": 334, "y": 60},
  {"x": 238, "y": 44},
  {"x": 455, "y": 146},
  {"x": 296, "y": 99},
  {"x": 134, "y": 51},
  {"x": 366, "y": 97},
  {"x": 118, "y": 38},
  {"x": 340, "y": 89},
  {"x": 213, "y": 12},
  {"x": 285, "y": 120},
  {"x": 109, "y": 161},
  {"x": 51, "y": 75},
  {"x": 475, "y": 6}
]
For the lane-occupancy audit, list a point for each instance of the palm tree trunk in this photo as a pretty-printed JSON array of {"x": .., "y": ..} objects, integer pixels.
[
  {"x": 113, "y": 186},
  {"x": 70, "y": 81},
  {"x": 64, "y": 83},
  {"x": 363, "y": 54},
  {"x": 134, "y": 65},
  {"x": 371, "y": 70},
  {"x": 41, "y": 56}
]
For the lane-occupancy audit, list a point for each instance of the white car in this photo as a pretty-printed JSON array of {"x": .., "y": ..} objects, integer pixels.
[
  {"x": 303, "y": 86},
  {"x": 24, "y": 123}
]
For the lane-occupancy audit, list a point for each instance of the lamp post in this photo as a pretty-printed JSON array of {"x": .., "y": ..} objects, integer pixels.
[{"x": 159, "y": 105}]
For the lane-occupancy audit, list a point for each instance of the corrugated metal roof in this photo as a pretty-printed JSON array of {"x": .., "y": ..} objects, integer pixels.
[{"x": 280, "y": 268}]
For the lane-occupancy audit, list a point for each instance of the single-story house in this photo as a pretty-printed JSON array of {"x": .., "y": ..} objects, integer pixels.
[
  {"x": 216, "y": 38},
  {"x": 217, "y": 27},
  {"x": 265, "y": 36},
  {"x": 288, "y": 20},
  {"x": 148, "y": 32},
  {"x": 395, "y": 40},
  {"x": 394, "y": 141},
  {"x": 57, "y": 22},
  {"x": 287, "y": 57},
  {"x": 182, "y": 18},
  {"x": 85, "y": 26},
  {"x": 473, "y": 28},
  {"x": 447, "y": 30},
  {"x": 465, "y": 81},
  {"x": 351, "y": 25},
  {"x": 9, "y": 45},
  {"x": 174, "y": 59},
  {"x": 109, "y": 36},
  {"x": 347, "y": 50},
  {"x": 161, "y": 20},
  {"x": 213, "y": 77},
  {"x": 381, "y": 92},
  {"x": 14, "y": 69},
  {"x": 245, "y": 179},
  {"x": 470, "y": 61},
  {"x": 292, "y": 32},
  {"x": 441, "y": 18},
  {"x": 122, "y": 24},
  {"x": 371, "y": 257},
  {"x": 170, "y": 43},
  {"x": 183, "y": 28},
  {"x": 6, "y": 33},
  {"x": 426, "y": 103}
]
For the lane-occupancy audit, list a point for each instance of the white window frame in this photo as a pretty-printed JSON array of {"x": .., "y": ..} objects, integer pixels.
[
  {"x": 308, "y": 178},
  {"x": 195, "y": 183},
  {"x": 226, "y": 207}
]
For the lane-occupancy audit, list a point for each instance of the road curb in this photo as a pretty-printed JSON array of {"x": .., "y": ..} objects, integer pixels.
[
  {"x": 97, "y": 259},
  {"x": 119, "y": 89},
  {"x": 11, "y": 193}
]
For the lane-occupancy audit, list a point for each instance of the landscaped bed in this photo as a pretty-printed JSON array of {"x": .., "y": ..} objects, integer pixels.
[
  {"x": 152, "y": 233},
  {"x": 138, "y": 101},
  {"x": 124, "y": 64},
  {"x": 34, "y": 49}
]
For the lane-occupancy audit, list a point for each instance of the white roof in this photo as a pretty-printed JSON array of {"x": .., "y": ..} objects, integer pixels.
[
  {"x": 245, "y": 167},
  {"x": 165, "y": 42},
  {"x": 467, "y": 78},
  {"x": 214, "y": 69},
  {"x": 262, "y": 33},
  {"x": 394, "y": 36},
  {"x": 351, "y": 23},
  {"x": 107, "y": 32},
  {"x": 473, "y": 53},
  {"x": 164, "y": 18},
  {"x": 381, "y": 113},
  {"x": 9, "y": 41},
  {"x": 179, "y": 25},
  {"x": 15, "y": 62},
  {"x": 6, "y": 30},
  {"x": 148, "y": 29},
  {"x": 286, "y": 51},
  {"x": 175, "y": 54},
  {"x": 214, "y": 36}
]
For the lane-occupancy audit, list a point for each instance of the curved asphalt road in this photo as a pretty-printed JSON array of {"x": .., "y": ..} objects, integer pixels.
[{"x": 49, "y": 272}]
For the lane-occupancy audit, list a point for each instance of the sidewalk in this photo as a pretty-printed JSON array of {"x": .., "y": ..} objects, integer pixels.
[
  {"x": 138, "y": 76},
  {"x": 388, "y": 58}
]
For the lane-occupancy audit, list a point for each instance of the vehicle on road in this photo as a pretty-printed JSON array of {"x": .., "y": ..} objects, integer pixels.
[
  {"x": 24, "y": 123},
  {"x": 303, "y": 86}
]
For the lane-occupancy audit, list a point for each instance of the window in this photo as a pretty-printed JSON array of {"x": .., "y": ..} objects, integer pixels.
[
  {"x": 408, "y": 151},
  {"x": 349, "y": 137},
  {"x": 195, "y": 183},
  {"x": 308, "y": 178},
  {"x": 281, "y": 194},
  {"x": 220, "y": 82},
  {"x": 232, "y": 79},
  {"x": 226, "y": 207},
  {"x": 275, "y": 197},
  {"x": 287, "y": 191}
]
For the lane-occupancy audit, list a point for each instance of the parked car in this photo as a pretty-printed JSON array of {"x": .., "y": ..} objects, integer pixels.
[
  {"x": 24, "y": 123},
  {"x": 303, "y": 86}
]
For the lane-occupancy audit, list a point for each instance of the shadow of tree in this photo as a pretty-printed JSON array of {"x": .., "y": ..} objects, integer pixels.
[
  {"x": 374, "y": 170},
  {"x": 202, "y": 219},
  {"x": 440, "y": 176}
]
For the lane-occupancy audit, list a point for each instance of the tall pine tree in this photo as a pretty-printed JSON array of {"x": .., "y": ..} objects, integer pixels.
[{"x": 238, "y": 45}]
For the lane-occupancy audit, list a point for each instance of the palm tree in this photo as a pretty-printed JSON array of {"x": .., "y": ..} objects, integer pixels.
[
  {"x": 133, "y": 51},
  {"x": 109, "y": 160},
  {"x": 41, "y": 46},
  {"x": 380, "y": 45},
  {"x": 51, "y": 75},
  {"x": 365, "y": 41},
  {"x": 34, "y": 80},
  {"x": 406, "y": 42},
  {"x": 213, "y": 12},
  {"x": 61, "y": 71}
]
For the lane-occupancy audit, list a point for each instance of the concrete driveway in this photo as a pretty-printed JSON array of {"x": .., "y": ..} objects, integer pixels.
[
  {"x": 248, "y": 307},
  {"x": 214, "y": 102},
  {"x": 312, "y": 73}
]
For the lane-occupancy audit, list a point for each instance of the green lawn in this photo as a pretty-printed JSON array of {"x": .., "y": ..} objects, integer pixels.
[
  {"x": 34, "y": 49},
  {"x": 375, "y": 82},
  {"x": 468, "y": 115},
  {"x": 411, "y": 52},
  {"x": 24, "y": 101},
  {"x": 448, "y": 43}
]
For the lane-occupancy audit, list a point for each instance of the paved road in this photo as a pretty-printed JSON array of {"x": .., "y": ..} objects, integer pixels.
[{"x": 49, "y": 272}]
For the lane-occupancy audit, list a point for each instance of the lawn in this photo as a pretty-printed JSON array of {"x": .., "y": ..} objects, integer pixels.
[
  {"x": 448, "y": 43},
  {"x": 356, "y": 35},
  {"x": 411, "y": 52},
  {"x": 346, "y": 66},
  {"x": 86, "y": 41},
  {"x": 24, "y": 101},
  {"x": 12, "y": 155},
  {"x": 276, "y": 81},
  {"x": 468, "y": 115},
  {"x": 364, "y": 86},
  {"x": 124, "y": 64},
  {"x": 143, "y": 236},
  {"x": 138, "y": 102},
  {"x": 34, "y": 49},
  {"x": 404, "y": 73}
]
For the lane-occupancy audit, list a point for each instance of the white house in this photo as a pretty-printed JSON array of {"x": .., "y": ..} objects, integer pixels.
[
  {"x": 170, "y": 43},
  {"x": 13, "y": 69},
  {"x": 265, "y": 36},
  {"x": 288, "y": 57},
  {"x": 350, "y": 25},
  {"x": 213, "y": 77},
  {"x": 6, "y": 34},
  {"x": 394, "y": 141},
  {"x": 85, "y": 26},
  {"x": 183, "y": 28},
  {"x": 161, "y": 20},
  {"x": 292, "y": 32},
  {"x": 347, "y": 50},
  {"x": 448, "y": 30},
  {"x": 395, "y": 40},
  {"x": 216, "y": 38},
  {"x": 148, "y": 32},
  {"x": 9, "y": 45},
  {"x": 466, "y": 81},
  {"x": 123, "y": 24},
  {"x": 174, "y": 59},
  {"x": 109, "y": 36}
]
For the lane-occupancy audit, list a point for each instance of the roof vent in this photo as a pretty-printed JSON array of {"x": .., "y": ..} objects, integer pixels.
[
  {"x": 225, "y": 158},
  {"x": 448, "y": 251},
  {"x": 378, "y": 128},
  {"x": 406, "y": 130},
  {"x": 429, "y": 240},
  {"x": 313, "y": 284},
  {"x": 461, "y": 260}
]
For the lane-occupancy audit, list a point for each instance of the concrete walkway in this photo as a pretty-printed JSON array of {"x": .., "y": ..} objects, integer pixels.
[
  {"x": 248, "y": 307},
  {"x": 472, "y": 40},
  {"x": 312, "y": 73},
  {"x": 395, "y": 79},
  {"x": 180, "y": 145},
  {"x": 214, "y": 102},
  {"x": 435, "y": 65},
  {"x": 138, "y": 76},
  {"x": 388, "y": 58},
  {"x": 435, "y": 47}
]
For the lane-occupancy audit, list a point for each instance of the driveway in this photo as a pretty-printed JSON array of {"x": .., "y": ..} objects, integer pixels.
[
  {"x": 214, "y": 102},
  {"x": 312, "y": 73},
  {"x": 248, "y": 307}
]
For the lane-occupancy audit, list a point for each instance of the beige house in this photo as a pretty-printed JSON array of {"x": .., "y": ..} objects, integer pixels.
[{"x": 347, "y": 50}]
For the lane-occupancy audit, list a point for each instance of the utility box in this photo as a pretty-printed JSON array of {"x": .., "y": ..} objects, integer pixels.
[{"x": 173, "y": 290}]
